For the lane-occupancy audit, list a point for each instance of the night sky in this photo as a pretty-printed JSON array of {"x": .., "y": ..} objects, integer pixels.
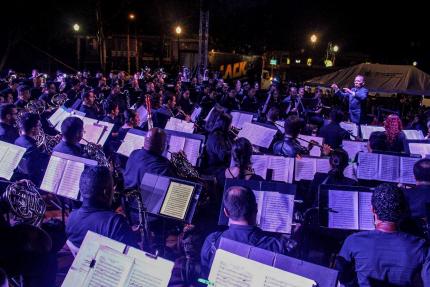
[{"x": 386, "y": 32}]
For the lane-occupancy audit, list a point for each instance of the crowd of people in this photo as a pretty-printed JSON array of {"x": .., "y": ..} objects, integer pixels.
[{"x": 395, "y": 252}]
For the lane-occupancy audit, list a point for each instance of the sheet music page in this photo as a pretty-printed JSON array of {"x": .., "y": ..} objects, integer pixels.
[
  {"x": 92, "y": 133},
  {"x": 10, "y": 160},
  {"x": 350, "y": 171},
  {"x": 131, "y": 143},
  {"x": 61, "y": 117},
  {"x": 3, "y": 150},
  {"x": 259, "y": 197},
  {"x": 389, "y": 168},
  {"x": 177, "y": 199},
  {"x": 148, "y": 272},
  {"x": 87, "y": 252},
  {"x": 407, "y": 169},
  {"x": 192, "y": 150},
  {"x": 111, "y": 269},
  {"x": 106, "y": 132},
  {"x": 257, "y": 135},
  {"x": 282, "y": 168},
  {"x": 242, "y": 119},
  {"x": 413, "y": 134},
  {"x": 277, "y": 212},
  {"x": 323, "y": 165},
  {"x": 53, "y": 174},
  {"x": 422, "y": 149},
  {"x": 231, "y": 270},
  {"x": 55, "y": 118},
  {"x": 235, "y": 119},
  {"x": 315, "y": 151},
  {"x": 365, "y": 215},
  {"x": 69, "y": 185},
  {"x": 367, "y": 130},
  {"x": 280, "y": 126},
  {"x": 175, "y": 124},
  {"x": 195, "y": 114},
  {"x": 367, "y": 165},
  {"x": 305, "y": 168},
  {"x": 260, "y": 164},
  {"x": 354, "y": 147},
  {"x": 209, "y": 114},
  {"x": 176, "y": 144},
  {"x": 343, "y": 209},
  {"x": 351, "y": 127}
]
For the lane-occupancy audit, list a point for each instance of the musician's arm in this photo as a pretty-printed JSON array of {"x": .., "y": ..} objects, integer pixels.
[{"x": 361, "y": 94}]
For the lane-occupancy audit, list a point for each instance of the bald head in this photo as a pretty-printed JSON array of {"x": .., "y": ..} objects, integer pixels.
[
  {"x": 155, "y": 141},
  {"x": 359, "y": 81}
]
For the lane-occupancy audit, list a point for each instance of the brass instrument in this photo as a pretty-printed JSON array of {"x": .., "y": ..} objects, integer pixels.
[
  {"x": 25, "y": 202},
  {"x": 59, "y": 99},
  {"x": 149, "y": 112},
  {"x": 46, "y": 142},
  {"x": 182, "y": 166},
  {"x": 35, "y": 107},
  {"x": 96, "y": 153}
]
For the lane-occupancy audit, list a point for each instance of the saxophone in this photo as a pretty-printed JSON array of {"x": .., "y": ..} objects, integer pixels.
[
  {"x": 182, "y": 166},
  {"x": 25, "y": 202}
]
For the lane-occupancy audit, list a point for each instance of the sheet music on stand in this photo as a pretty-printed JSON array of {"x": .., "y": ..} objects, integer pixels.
[
  {"x": 61, "y": 114},
  {"x": 366, "y": 131},
  {"x": 282, "y": 167},
  {"x": 62, "y": 176},
  {"x": 175, "y": 124},
  {"x": 323, "y": 276},
  {"x": 275, "y": 202},
  {"x": 170, "y": 197},
  {"x": 134, "y": 140},
  {"x": 280, "y": 126},
  {"x": 191, "y": 144},
  {"x": 239, "y": 118},
  {"x": 346, "y": 207},
  {"x": 386, "y": 167},
  {"x": 105, "y": 262},
  {"x": 95, "y": 131},
  {"x": 354, "y": 147},
  {"x": 196, "y": 113},
  {"x": 352, "y": 128},
  {"x": 418, "y": 148},
  {"x": 304, "y": 141},
  {"x": 257, "y": 134},
  {"x": 413, "y": 135},
  {"x": 10, "y": 156},
  {"x": 306, "y": 167},
  {"x": 230, "y": 270}
]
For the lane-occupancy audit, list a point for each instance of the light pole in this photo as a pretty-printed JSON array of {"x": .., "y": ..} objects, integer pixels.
[
  {"x": 335, "y": 50},
  {"x": 131, "y": 17},
  {"x": 76, "y": 28},
  {"x": 178, "y": 33}
]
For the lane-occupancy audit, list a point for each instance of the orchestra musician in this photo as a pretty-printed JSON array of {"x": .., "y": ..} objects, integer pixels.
[
  {"x": 8, "y": 116},
  {"x": 165, "y": 112},
  {"x": 72, "y": 130}
]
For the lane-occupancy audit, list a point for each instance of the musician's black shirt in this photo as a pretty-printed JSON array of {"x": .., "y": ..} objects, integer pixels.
[
  {"x": 333, "y": 135},
  {"x": 8, "y": 133},
  {"x": 417, "y": 199},
  {"x": 70, "y": 149},
  {"x": 90, "y": 112}
]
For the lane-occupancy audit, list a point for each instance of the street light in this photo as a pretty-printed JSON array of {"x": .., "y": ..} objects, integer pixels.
[
  {"x": 178, "y": 31},
  {"x": 335, "y": 48},
  {"x": 76, "y": 28},
  {"x": 314, "y": 38},
  {"x": 131, "y": 16}
]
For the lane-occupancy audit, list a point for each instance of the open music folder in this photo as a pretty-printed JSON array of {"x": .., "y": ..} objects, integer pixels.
[
  {"x": 63, "y": 174},
  {"x": 57, "y": 118},
  {"x": 422, "y": 149},
  {"x": 170, "y": 197},
  {"x": 275, "y": 202},
  {"x": 366, "y": 131},
  {"x": 386, "y": 167},
  {"x": 258, "y": 135},
  {"x": 272, "y": 167},
  {"x": 306, "y": 167},
  {"x": 354, "y": 147},
  {"x": 352, "y": 128},
  {"x": 239, "y": 118},
  {"x": 133, "y": 140},
  {"x": 230, "y": 270},
  {"x": 346, "y": 207},
  {"x": 10, "y": 156},
  {"x": 196, "y": 113},
  {"x": 413, "y": 135},
  {"x": 175, "y": 124},
  {"x": 104, "y": 262},
  {"x": 304, "y": 141},
  {"x": 95, "y": 131}
]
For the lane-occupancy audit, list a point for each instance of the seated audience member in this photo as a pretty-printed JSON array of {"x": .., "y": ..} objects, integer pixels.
[
  {"x": 8, "y": 114},
  {"x": 72, "y": 130},
  {"x": 218, "y": 146},
  {"x": 132, "y": 121},
  {"x": 290, "y": 146},
  {"x": 96, "y": 188},
  {"x": 88, "y": 105},
  {"x": 241, "y": 208},
  {"x": 34, "y": 162},
  {"x": 384, "y": 256},
  {"x": 148, "y": 159},
  {"x": 338, "y": 163},
  {"x": 241, "y": 153},
  {"x": 396, "y": 139},
  {"x": 419, "y": 196},
  {"x": 165, "y": 112},
  {"x": 333, "y": 134}
]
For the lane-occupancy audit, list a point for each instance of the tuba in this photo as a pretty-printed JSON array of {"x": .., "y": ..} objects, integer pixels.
[
  {"x": 182, "y": 166},
  {"x": 95, "y": 152},
  {"x": 25, "y": 202}
]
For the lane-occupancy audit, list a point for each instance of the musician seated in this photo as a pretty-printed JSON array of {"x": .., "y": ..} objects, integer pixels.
[
  {"x": 185, "y": 103},
  {"x": 88, "y": 105},
  {"x": 250, "y": 101},
  {"x": 131, "y": 121},
  {"x": 230, "y": 101},
  {"x": 396, "y": 138},
  {"x": 8, "y": 114},
  {"x": 23, "y": 96},
  {"x": 241, "y": 153},
  {"x": 148, "y": 159},
  {"x": 112, "y": 116},
  {"x": 339, "y": 160},
  {"x": 96, "y": 188},
  {"x": 240, "y": 207},
  {"x": 333, "y": 134},
  {"x": 290, "y": 146},
  {"x": 385, "y": 255},
  {"x": 419, "y": 196},
  {"x": 377, "y": 142},
  {"x": 165, "y": 112},
  {"x": 72, "y": 130},
  {"x": 34, "y": 162}
]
